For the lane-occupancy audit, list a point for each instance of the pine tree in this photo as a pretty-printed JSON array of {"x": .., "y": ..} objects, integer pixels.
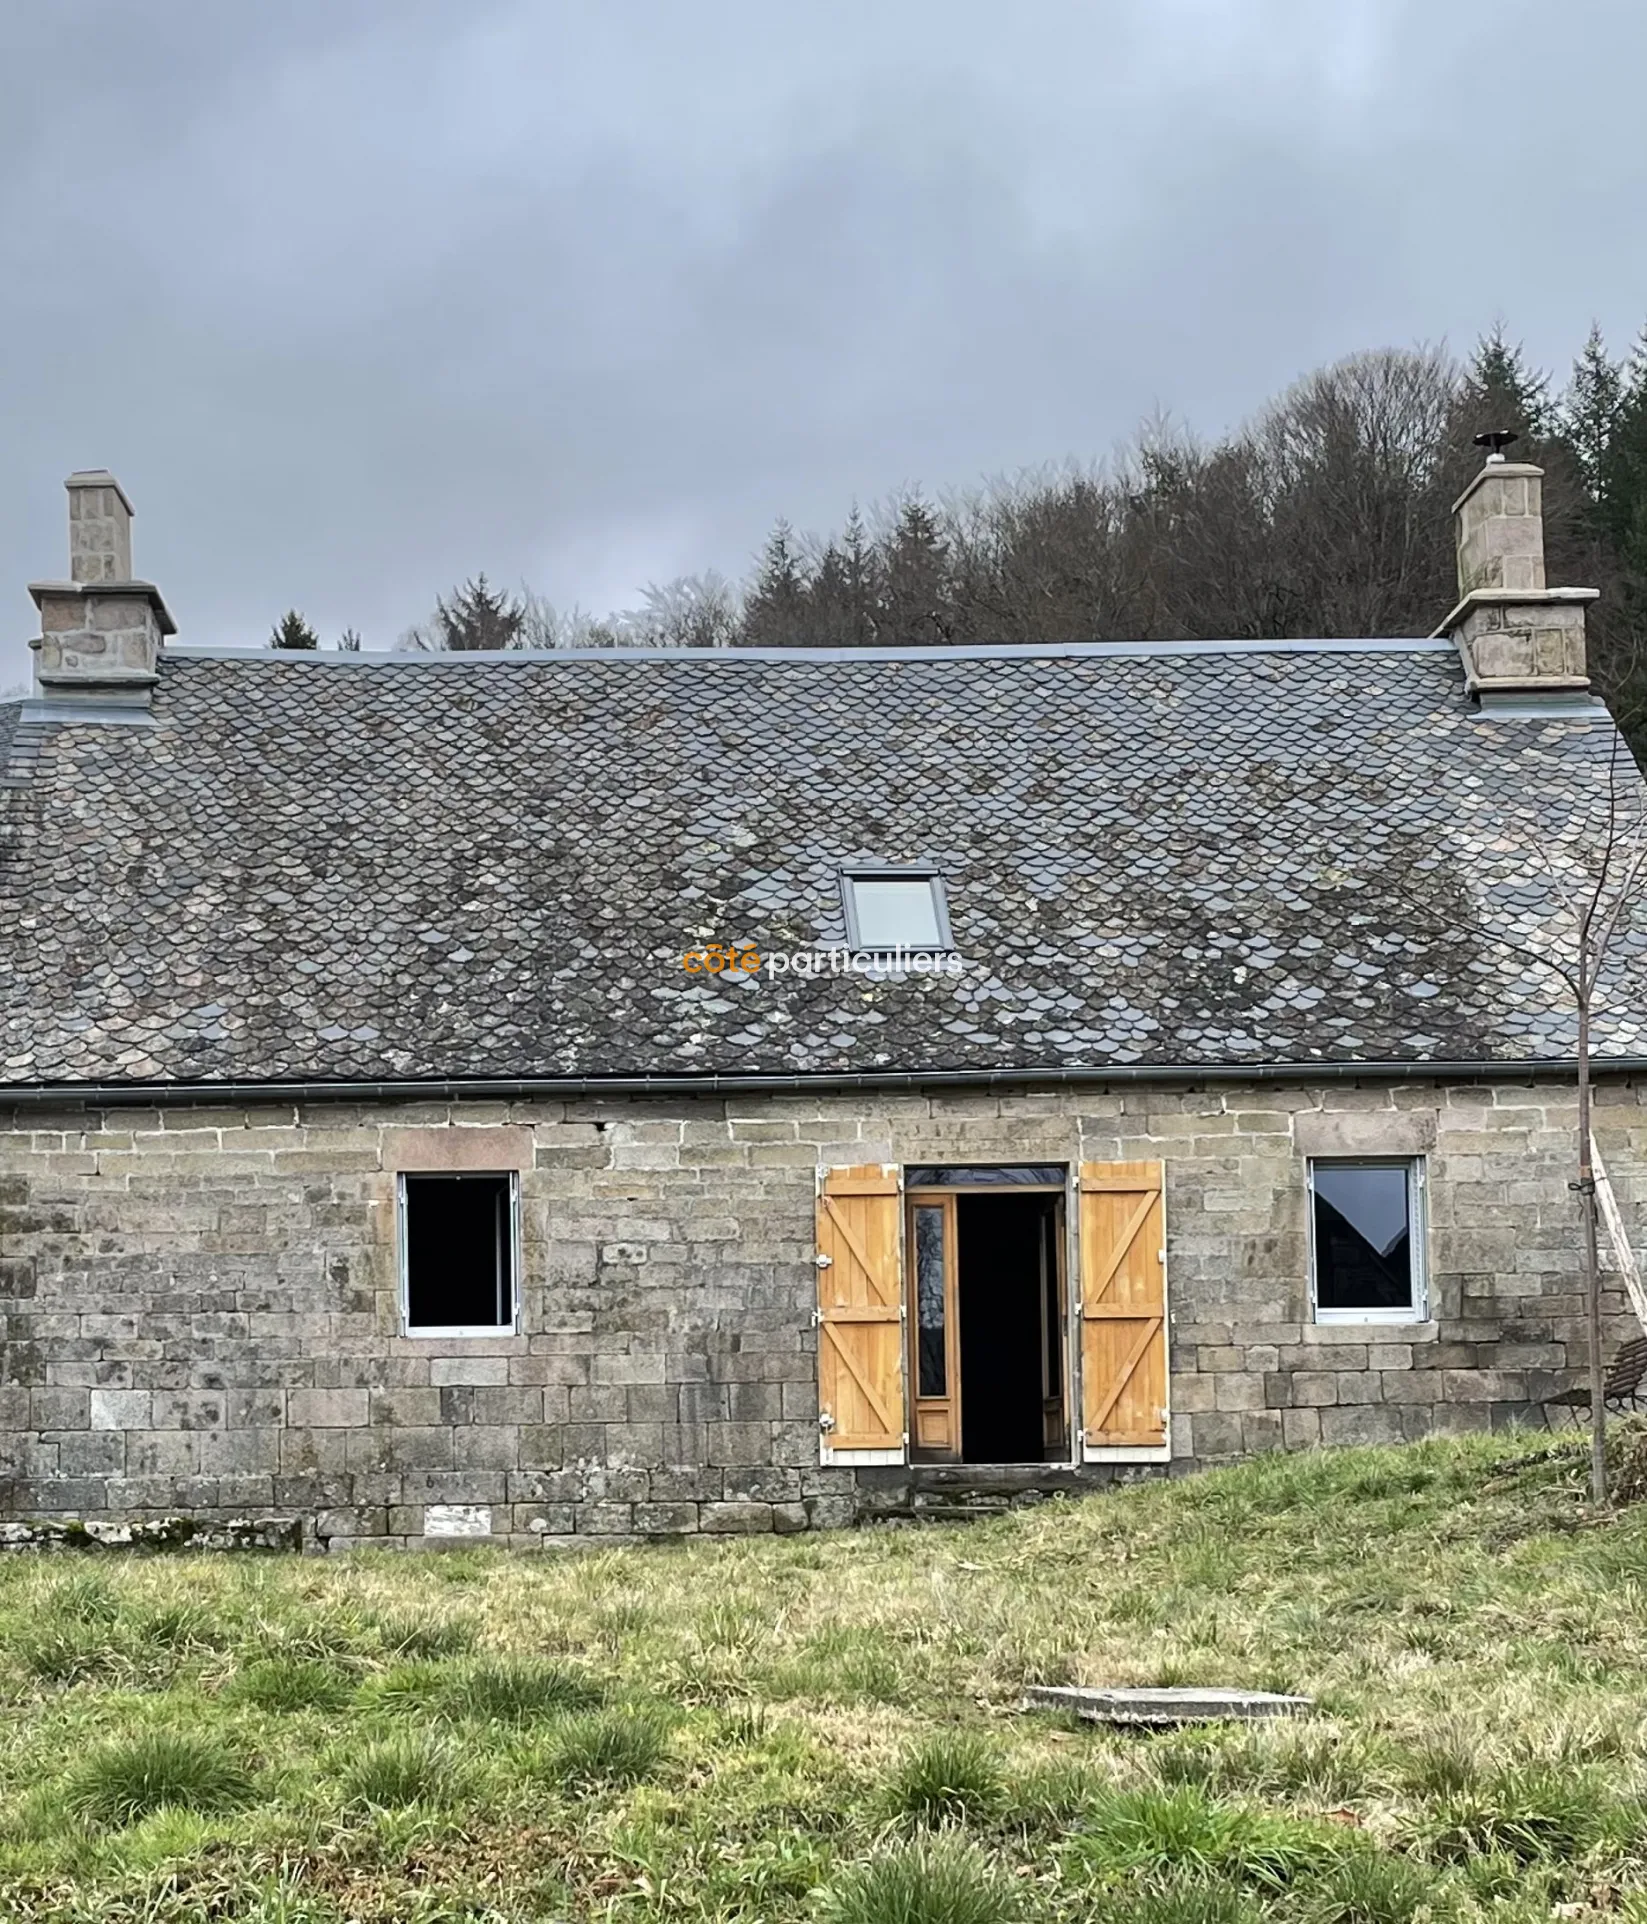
[
  {"x": 1499, "y": 382},
  {"x": 1590, "y": 408},
  {"x": 776, "y": 606},
  {"x": 478, "y": 618},
  {"x": 349, "y": 642},
  {"x": 292, "y": 631},
  {"x": 860, "y": 581},
  {"x": 915, "y": 597},
  {"x": 1622, "y": 491},
  {"x": 829, "y": 615}
]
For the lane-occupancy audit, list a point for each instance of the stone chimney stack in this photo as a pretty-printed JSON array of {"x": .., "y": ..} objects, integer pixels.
[
  {"x": 1519, "y": 638},
  {"x": 100, "y": 631}
]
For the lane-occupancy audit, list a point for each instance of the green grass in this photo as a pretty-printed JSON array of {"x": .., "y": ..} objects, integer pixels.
[
  {"x": 826, "y": 1730},
  {"x": 131, "y": 1778},
  {"x": 407, "y": 1768},
  {"x": 951, "y": 1777},
  {"x": 606, "y": 1747}
]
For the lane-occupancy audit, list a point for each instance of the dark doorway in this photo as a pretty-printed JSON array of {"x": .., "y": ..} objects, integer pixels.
[
  {"x": 1008, "y": 1311},
  {"x": 987, "y": 1352}
]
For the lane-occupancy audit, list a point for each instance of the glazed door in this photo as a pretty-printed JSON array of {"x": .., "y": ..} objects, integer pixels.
[{"x": 934, "y": 1330}]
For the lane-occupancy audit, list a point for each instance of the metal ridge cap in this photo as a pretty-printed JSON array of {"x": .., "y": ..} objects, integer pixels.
[
  {"x": 724, "y": 657},
  {"x": 459, "y": 1088}
]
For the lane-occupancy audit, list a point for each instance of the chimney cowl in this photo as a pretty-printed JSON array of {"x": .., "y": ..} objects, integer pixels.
[{"x": 101, "y": 630}]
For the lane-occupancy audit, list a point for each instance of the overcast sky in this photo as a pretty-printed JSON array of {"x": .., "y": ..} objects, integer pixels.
[{"x": 358, "y": 297}]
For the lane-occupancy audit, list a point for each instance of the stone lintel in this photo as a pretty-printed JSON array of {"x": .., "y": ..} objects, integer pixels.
[{"x": 1373, "y": 1132}]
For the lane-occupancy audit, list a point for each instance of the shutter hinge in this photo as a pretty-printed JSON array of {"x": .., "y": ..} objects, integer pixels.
[
  {"x": 826, "y": 1421},
  {"x": 821, "y": 1261}
]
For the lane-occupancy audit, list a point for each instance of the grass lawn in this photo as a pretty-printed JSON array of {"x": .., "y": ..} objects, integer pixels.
[{"x": 826, "y": 1727}]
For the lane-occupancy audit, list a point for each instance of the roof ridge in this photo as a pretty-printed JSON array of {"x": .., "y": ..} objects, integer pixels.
[{"x": 723, "y": 657}]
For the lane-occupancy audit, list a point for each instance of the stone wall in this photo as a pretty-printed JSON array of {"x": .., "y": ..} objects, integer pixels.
[{"x": 201, "y": 1307}]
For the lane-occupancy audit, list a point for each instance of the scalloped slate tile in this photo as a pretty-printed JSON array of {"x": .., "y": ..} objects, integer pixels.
[{"x": 492, "y": 868}]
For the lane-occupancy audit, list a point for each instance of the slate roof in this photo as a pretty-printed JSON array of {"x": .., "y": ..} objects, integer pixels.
[{"x": 365, "y": 868}]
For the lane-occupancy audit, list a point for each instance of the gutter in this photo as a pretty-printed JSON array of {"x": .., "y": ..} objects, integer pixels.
[{"x": 41, "y": 1095}]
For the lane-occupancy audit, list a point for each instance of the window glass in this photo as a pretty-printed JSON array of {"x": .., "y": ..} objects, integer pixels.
[
  {"x": 894, "y": 910},
  {"x": 1365, "y": 1249},
  {"x": 459, "y": 1245},
  {"x": 926, "y": 1175},
  {"x": 931, "y": 1372}
]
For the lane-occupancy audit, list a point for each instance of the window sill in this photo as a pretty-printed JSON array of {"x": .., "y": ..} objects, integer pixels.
[
  {"x": 1350, "y": 1319},
  {"x": 503, "y": 1341}
]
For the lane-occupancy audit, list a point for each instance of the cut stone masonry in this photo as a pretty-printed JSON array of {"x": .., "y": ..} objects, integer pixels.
[{"x": 201, "y": 1307}]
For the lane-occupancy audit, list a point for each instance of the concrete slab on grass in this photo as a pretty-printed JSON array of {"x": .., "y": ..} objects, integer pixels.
[{"x": 1167, "y": 1705}]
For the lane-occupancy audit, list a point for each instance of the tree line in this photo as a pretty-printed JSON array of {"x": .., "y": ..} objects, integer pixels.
[{"x": 1326, "y": 515}]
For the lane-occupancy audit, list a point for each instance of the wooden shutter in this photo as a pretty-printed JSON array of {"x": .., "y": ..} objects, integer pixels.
[
  {"x": 1123, "y": 1307},
  {"x": 860, "y": 1316}
]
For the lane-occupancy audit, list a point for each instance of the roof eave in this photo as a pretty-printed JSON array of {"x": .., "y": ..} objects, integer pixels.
[{"x": 819, "y": 1082}]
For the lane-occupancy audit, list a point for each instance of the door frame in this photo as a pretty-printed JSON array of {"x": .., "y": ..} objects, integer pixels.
[{"x": 945, "y": 1193}]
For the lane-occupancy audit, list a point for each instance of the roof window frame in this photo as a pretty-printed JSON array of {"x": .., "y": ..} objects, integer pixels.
[{"x": 929, "y": 872}]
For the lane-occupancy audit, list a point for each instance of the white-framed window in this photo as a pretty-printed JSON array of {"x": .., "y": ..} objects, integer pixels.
[
  {"x": 1367, "y": 1239},
  {"x": 893, "y": 908},
  {"x": 459, "y": 1254}
]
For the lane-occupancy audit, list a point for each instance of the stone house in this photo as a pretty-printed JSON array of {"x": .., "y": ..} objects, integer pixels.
[{"x": 1148, "y": 1062}]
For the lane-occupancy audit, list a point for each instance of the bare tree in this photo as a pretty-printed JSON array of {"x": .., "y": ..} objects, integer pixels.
[
  {"x": 1593, "y": 867},
  {"x": 693, "y": 611},
  {"x": 1596, "y": 890}
]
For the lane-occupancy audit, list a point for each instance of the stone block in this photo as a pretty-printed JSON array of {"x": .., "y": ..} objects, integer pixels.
[
  {"x": 606, "y": 1519},
  {"x": 326, "y": 1409},
  {"x": 736, "y": 1518},
  {"x": 1357, "y": 1386},
  {"x": 1190, "y": 1391},
  {"x": 1314, "y": 1389},
  {"x": 468, "y": 1371},
  {"x": 1261, "y": 1430},
  {"x": 1243, "y": 1392},
  {"x": 1216, "y": 1434},
  {"x": 121, "y": 1409},
  {"x": 1300, "y": 1429},
  {"x": 1390, "y": 1356},
  {"x": 665, "y": 1519},
  {"x": 1366, "y": 1423}
]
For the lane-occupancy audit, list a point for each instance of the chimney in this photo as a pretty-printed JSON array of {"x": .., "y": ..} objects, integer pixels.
[
  {"x": 100, "y": 631},
  {"x": 1519, "y": 638}
]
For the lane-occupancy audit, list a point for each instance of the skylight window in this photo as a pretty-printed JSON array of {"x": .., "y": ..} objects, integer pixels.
[{"x": 892, "y": 908}]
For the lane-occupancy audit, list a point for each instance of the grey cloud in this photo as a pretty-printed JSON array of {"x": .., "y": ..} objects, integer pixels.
[{"x": 357, "y": 299}]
